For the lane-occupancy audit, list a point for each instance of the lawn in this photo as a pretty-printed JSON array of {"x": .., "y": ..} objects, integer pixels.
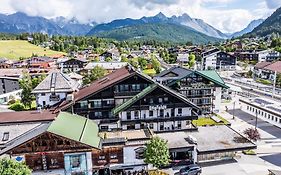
[
  {"x": 14, "y": 49},
  {"x": 207, "y": 121},
  {"x": 149, "y": 72}
]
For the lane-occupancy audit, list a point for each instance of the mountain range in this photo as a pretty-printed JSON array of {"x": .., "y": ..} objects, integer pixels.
[
  {"x": 271, "y": 25},
  {"x": 145, "y": 27},
  {"x": 20, "y": 22},
  {"x": 248, "y": 29},
  {"x": 185, "y": 20}
]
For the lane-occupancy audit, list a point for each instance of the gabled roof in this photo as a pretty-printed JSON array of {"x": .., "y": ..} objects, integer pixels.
[
  {"x": 174, "y": 73},
  {"x": 72, "y": 127},
  {"x": 262, "y": 65},
  {"x": 58, "y": 81},
  {"x": 182, "y": 72},
  {"x": 177, "y": 70},
  {"x": 274, "y": 67},
  {"x": 213, "y": 76},
  {"x": 25, "y": 137},
  {"x": 76, "y": 128},
  {"x": 146, "y": 91},
  {"x": 101, "y": 84}
]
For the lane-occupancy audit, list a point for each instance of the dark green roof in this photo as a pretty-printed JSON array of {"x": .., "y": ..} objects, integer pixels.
[
  {"x": 76, "y": 128},
  {"x": 213, "y": 76},
  {"x": 134, "y": 99}
]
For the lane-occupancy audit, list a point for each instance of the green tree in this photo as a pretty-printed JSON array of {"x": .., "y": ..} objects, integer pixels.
[
  {"x": 156, "y": 65},
  {"x": 134, "y": 63},
  {"x": 124, "y": 59},
  {"x": 11, "y": 167},
  {"x": 26, "y": 85},
  {"x": 142, "y": 62},
  {"x": 191, "y": 60},
  {"x": 17, "y": 107},
  {"x": 96, "y": 73},
  {"x": 108, "y": 59},
  {"x": 157, "y": 152}
]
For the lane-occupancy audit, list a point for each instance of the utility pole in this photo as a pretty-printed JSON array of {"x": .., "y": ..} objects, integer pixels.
[
  {"x": 233, "y": 110},
  {"x": 274, "y": 84}
]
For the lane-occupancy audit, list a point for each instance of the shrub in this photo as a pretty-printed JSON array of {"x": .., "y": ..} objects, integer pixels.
[
  {"x": 252, "y": 134},
  {"x": 266, "y": 82},
  {"x": 11, "y": 102},
  {"x": 17, "y": 107},
  {"x": 11, "y": 167},
  {"x": 249, "y": 152}
]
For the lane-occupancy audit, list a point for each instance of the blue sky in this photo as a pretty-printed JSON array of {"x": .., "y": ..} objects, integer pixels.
[{"x": 225, "y": 15}]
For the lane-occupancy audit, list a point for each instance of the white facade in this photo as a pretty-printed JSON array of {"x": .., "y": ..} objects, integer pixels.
[
  {"x": 162, "y": 124},
  {"x": 210, "y": 61},
  {"x": 265, "y": 115},
  {"x": 263, "y": 55},
  {"x": 5, "y": 98},
  {"x": 130, "y": 157},
  {"x": 43, "y": 99}
]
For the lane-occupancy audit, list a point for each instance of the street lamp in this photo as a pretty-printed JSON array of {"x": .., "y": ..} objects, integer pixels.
[{"x": 274, "y": 84}]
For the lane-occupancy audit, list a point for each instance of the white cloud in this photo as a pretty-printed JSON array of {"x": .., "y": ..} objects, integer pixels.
[
  {"x": 224, "y": 18},
  {"x": 273, "y": 4}
]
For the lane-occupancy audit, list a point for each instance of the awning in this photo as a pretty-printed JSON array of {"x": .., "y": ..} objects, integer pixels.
[{"x": 234, "y": 88}]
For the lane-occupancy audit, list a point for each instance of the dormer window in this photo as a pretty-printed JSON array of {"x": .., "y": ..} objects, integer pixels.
[{"x": 6, "y": 136}]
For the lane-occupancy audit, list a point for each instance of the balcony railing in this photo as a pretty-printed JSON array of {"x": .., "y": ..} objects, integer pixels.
[{"x": 159, "y": 118}]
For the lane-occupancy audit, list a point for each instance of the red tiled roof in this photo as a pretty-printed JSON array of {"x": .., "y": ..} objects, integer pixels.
[
  {"x": 274, "y": 67},
  {"x": 26, "y": 116},
  {"x": 262, "y": 65},
  {"x": 100, "y": 84}
]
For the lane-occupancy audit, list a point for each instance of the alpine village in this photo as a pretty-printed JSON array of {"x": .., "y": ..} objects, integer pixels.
[{"x": 155, "y": 95}]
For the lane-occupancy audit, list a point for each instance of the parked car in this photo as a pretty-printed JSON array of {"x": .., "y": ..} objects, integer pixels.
[{"x": 192, "y": 169}]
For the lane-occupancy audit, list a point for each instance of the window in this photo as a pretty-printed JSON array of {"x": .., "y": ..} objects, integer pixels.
[
  {"x": 98, "y": 114},
  {"x": 180, "y": 111},
  {"x": 128, "y": 115},
  {"x": 97, "y": 104},
  {"x": 135, "y": 87},
  {"x": 104, "y": 128},
  {"x": 161, "y": 113},
  {"x": 166, "y": 99},
  {"x": 179, "y": 124},
  {"x": 151, "y": 100},
  {"x": 161, "y": 126},
  {"x": 136, "y": 114},
  {"x": 113, "y": 156},
  {"x": 6, "y": 136},
  {"x": 83, "y": 104},
  {"x": 101, "y": 157},
  {"x": 75, "y": 161},
  {"x": 140, "y": 152},
  {"x": 150, "y": 113},
  {"x": 173, "y": 112},
  {"x": 43, "y": 94},
  {"x": 160, "y": 100},
  {"x": 151, "y": 125}
]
